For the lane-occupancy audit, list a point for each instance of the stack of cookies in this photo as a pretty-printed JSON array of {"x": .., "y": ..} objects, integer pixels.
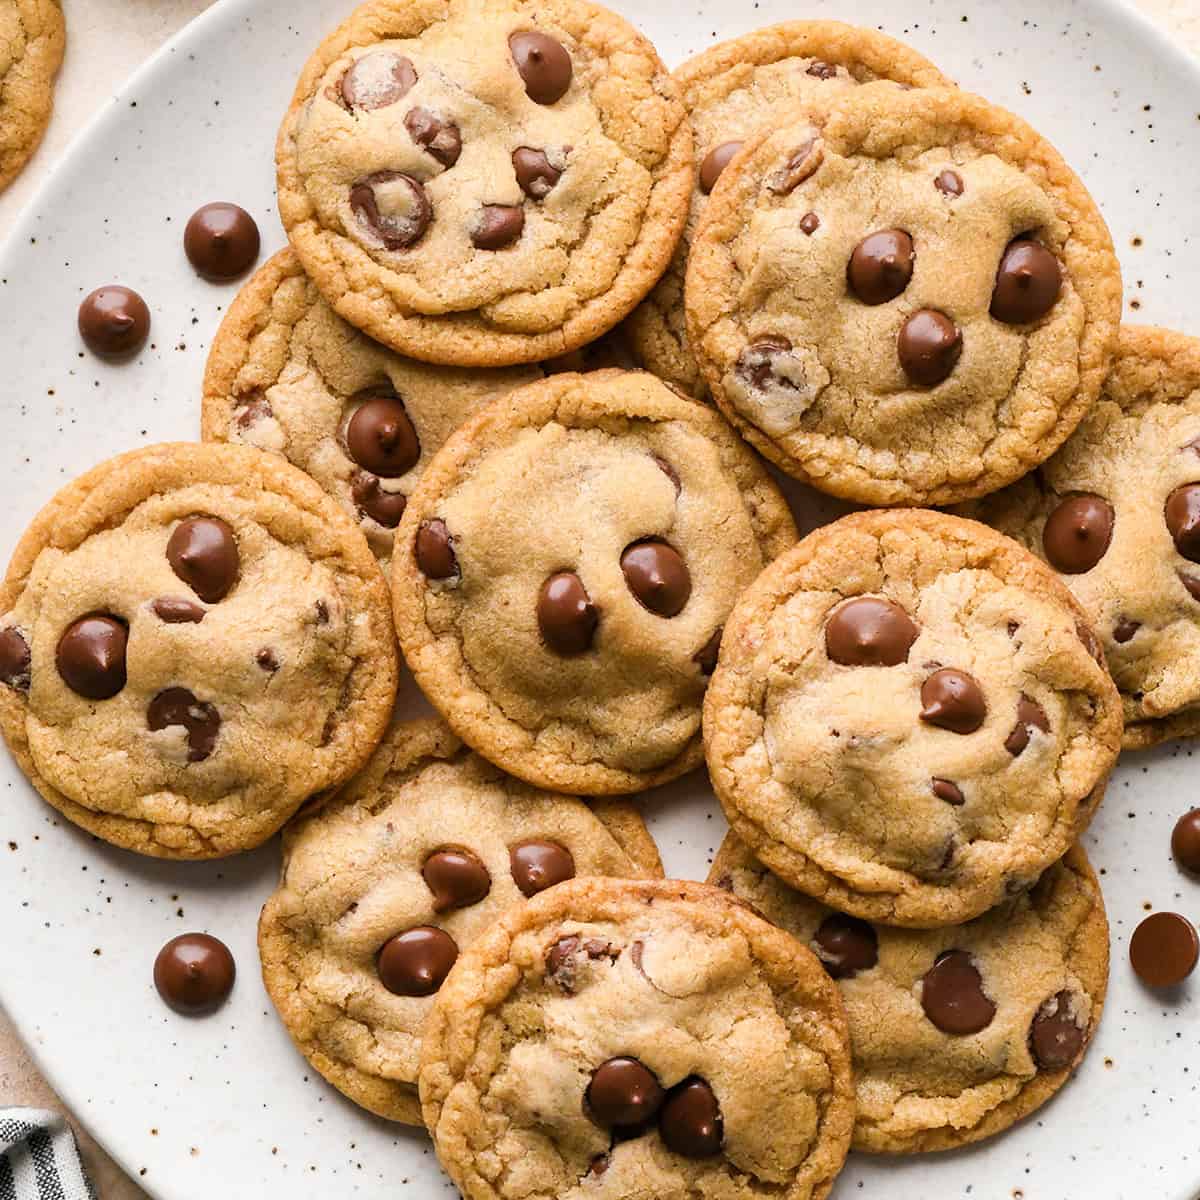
[{"x": 423, "y": 431}]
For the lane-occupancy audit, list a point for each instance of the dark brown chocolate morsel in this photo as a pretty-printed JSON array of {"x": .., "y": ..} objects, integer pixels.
[
  {"x": 534, "y": 171},
  {"x": 1028, "y": 283},
  {"x": 543, "y": 64},
  {"x": 1185, "y": 841},
  {"x": 800, "y": 164},
  {"x": 194, "y": 973},
  {"x": 1055, "y": 1039},
  {"x": 178, "y": 706},
  {"x": 953, "y": 700},
  {"x": 439, "y": 138},
  {"x": 377, "y": 80},
  {"x": 1182, "y": 514},
  {"x": 708, "y": 654},
  {"x": 417, "y": 961},
  {"x": 822, "y": 70},
  {"x": 497, "y": 226},
  {"x": 714, "y": 162},
  {"x": 114, "y": 321},
  {"x": 392, "y": 208},
  {"x": 203, "y": 552},
  {"x": 560, "y": 963},
  {"x": 566, "y": 617},
  {"x": 375, "y": 502},
  {"x": 945, "y": 790},
  {"x": 657, "y": 575},
  {"x": 881, "y": 266},
  {"x": 846, "y": 945},
  {"x": 175, "y": 610},
  {"x": 690, "y": 1120},
  {"x": 434, "y": 550},
  {"x": 91, "y": 656},
  {"x": 1030, "y": 715},
  {"x": 949, "y": 183},
  {"x": 1191, "y": 583},
  {"x": 623, "y": 1093},
  {"x": 221, "y": 241},
  {"x": 756, "y": 363},
  {"x": 952, "y": 995},
  {"x": 380, "y": 436},
  {"x": 1077, "y": 533},
  {"x": 538, "y": 865},
  {"x": 14, "y": 659},
  {"x": 869, "y": 632},
  {"x": 1124, "y": 630},
  {"x": 1164, "y": 949},
  {"x": 929, "y": 345},
  {"x": 267, "y": 660},
  {"x": 810, "y": 223},
  {"x": 456, "y": 878},
  {"x": 248, "y": 410}
]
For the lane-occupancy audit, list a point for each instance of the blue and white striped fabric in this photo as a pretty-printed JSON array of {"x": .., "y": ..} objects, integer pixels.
[{"x": 39, "y": 1159}]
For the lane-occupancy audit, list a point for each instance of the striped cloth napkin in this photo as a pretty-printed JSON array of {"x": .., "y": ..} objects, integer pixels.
[{"x": 39, "y": 1159}]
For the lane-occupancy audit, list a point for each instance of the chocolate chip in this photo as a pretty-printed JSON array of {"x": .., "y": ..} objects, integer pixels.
[
  {"x": 497, "y": 226},
  {"x": 690, "y": 1121},
  {"x": 881, "y": 266},
  {"x": 1185, "y": 841},
  {"x": 953, "y": 700},
  {"x": 203, "y": 552},
  {"x": 14, "y": 659},
  {"x": 322, "y": 611},
  {"x": 756, "y": 364},
  {"x": 91, "y": 656},
  {"x": 1164, "y": 949},
  {"x": 221, "y": 241},
  {"x": 434, "y": 550},
  {"x": 376, "y": 80},
  {"x": 417, "y": 961},
  {"x": 1055, "y": 1039},
  {"x": 535, "y": 173},
  {"x": 380, "y": 436},
  {"x": 267, "y": 660},
  {"x": 657, "y": 575},
  {"x": 1028, "y": 283},
  {"x": 1182, "y": 514},
  {"x": 194, "y": 973},
  {"x": 669, "y": 471},
  {"x": 810, "y": 223},
  {"x": 114, "y": 321},
  {"x": 176, "y": 706},
  {"x": 715, "y": 161},
  {"x": 598, "y": 1165},
  {"x": 846, "y": 945},
  {"x": 1124, "y": 630},
  {"x": 1090, "y": 643},
  {"x": 1191, "y": 583},
  {"x": 949, "y": 183},
  {"x": 952, "y": 995},
  {"x": 248, "y": 410},
  {"x": 869, "y": 632},
  {"x": 929, "y": 345},
  {"x": 801, "y": 163},
  {"x": 543, "y": 64},
  {"x": 456, "y": 878},
  {"x": 384, "y": 507},
  {"x": 622, "y": 1094},
  {"x": 822, "y": 70},
  {"x": 1030, "y": 715},
  {"x": 706, "y": 657},
  {"x": 943, "y": 789},
  {"x": 566, "y": 617},
  {"x": 438, "y": 138},
  {"x": 537, "y": 866},
  {"x": 392, "y": 209},
  {"x": 1077, "y": 533},
  {"x": 175, "y": 610},
  {"x": 561, "y": 963}
]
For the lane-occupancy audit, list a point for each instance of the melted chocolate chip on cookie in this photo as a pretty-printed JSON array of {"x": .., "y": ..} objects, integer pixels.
[
  {"x": 456, "y": 878},
  {"x": 14, "y": 659},
  {"x": 953, "y": 700},
  {"x": 377, "y": 80},
  {"x": 392, "y": 209},
  {"x": 714, "y": 162},
  {"x": 952, "y": 995},
  {"x": 929, "y": 345},
  {"x": 417, "y": 961},
  {"x": 623, "y": 1094},
  {"x": 176, "y": 706},
  {"x": 543, "y": 64},
  {"x": 535, "y": 173},
  {"x": 566, "y": 617},
  {"x": 1028, "y": 283},
  {"x": 1055, "y": 1039},
  {"x": 439, "y": 138},
  {"x": 91, "y": 656},
  {"x": 434, "y": 550},
  {"x": 203, "y": 552},
  {"x": 690, "y": 1121},
  {"x": 846, "y": 945},
  {"x": 498, "y": 226},
  {"x": 1077, "y": 533},
  {"x": 869, "y": 632},
  {"x": 1030, "y": 715},
  {"x": 881, "y": 266},
  {"x": 538, "y": 865},
  {"x": 657, "y": 575},
  {"x": 380, "y": 435}
]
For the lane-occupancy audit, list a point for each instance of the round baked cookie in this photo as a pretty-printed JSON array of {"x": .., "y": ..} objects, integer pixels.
[
  {"x": 563, "y": 571},
  {"x": 32, "y": 39},
  {"x": 957, "y": 1033},
  {"x": 287, "y": 374},
  {"x": 637, "y": 1039},
  {"x": 903, "y": 297},
  {"x": 731, "y": 91},
  {"x": 386, "y": 884},
  {"x": 1116, "y": 512},
  {"x": 194, "y": 639},
  {"x": 909, "y": 720},
  {"x": 484, "y": 184}
]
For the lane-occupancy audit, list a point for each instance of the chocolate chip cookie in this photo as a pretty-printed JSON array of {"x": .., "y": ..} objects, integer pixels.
[
  {"x": 484, "y": 184},
  {"x": 903, "y": 297},
  {"x": 194, "y": 639},
  {"x": 287, "y": 374},
  {"x": 563, "y": 571},
  {"x": 384, "y": 886},
  {"x": 32, "y": 39},
  {"x": 955, "y": 1033},
  {"x": 910, "y": 719},
  {"x": 618, "y": 1039},
  {"x": 731, "y": 91},
  {"x": 1116, "y": 512}
]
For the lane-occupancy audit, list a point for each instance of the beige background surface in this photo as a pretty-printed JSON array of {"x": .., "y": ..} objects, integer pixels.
[{"x": 106, "y": 40}]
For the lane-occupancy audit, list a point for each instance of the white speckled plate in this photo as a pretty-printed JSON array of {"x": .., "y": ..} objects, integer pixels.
[{"x": 224, "y": 1106}]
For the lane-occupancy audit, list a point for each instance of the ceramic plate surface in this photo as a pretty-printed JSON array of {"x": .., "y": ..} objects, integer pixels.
[{"x": 224, "y": 1106}]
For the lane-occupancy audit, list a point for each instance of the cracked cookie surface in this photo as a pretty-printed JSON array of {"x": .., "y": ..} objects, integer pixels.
[
  {"x": 731, "y": 91},
  {"x": 563, "y": 571},
  {"x": 484, "y": 184},
  {"x": 903, "y": 297},
  {"x": 428, "y": 836},
  {"x": 32, "y": 39},
  {"x": 1117, "y": 513},
  {"x": 908, "y": 720},
  {"x": 1034, "y": 985},
  {"x": 638, "y": 1040},
  {"x": 194, "y": 640}
]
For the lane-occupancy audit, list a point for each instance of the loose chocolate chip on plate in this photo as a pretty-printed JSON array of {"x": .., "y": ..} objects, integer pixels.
[
  {"x": 175, "y": 610},
  {"x": 953, "y": 700},
  {"x": 1182, "y": 514},
  {"x": 1055, "y": 1038},
  {"x": 1185, "y": 841},
  {"x": 949, "y": 183},
  {"x": 14, "y": 659},
  {"x": 392, "y": 209},
  {"x": 543, "y": 64},
  {"x": 456, "y": 878},
  {"x": 434, "y": 550},
  {"x": 178, "y": 706},
  {"x": 194, "y": 973},
  {"x": 566, "y": 617},
  {"x": 91, "y": 656},
  {"x": 1077, "y": 533},
  {"x": 1164, "y": 949},
  {"x": 715, "y": 161},
  {"x": 1028, "y": 283},
  {"x": 497, "y": 226},
  {"x": 221, "y": 241},
  {"x": 623, "y": 1093},
  {"x": 439, "y": 138},
  {"x": 376, "y": 80},
  {"x": 203, "y": 552},
  {"x": 657, "y": 575},
  {"x": 1030, "y": 715},
  {"x": 1124, "y": 630},
  {"x": 810, "y": 223},
  {"x": 114, "y": 321},
  {"x": 952, "y": 995},
  {"x": 869, "y": 632},
  {"x": 417, "y": 961},
  {"x": 951, "y": 793},
  {"x": 846, "y": 945},
  {"x": 535, "y": 173},
  {"x": 881, "y": 266},
  {"x": 929, "y": 345},
  {"x": 690, "y": 1121},
  {"x": 380, "y": 436},
  {"x": 384, "y": 507},
  {"x": 706, "y": 657},
  {"x": 537, "y": 866}
]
